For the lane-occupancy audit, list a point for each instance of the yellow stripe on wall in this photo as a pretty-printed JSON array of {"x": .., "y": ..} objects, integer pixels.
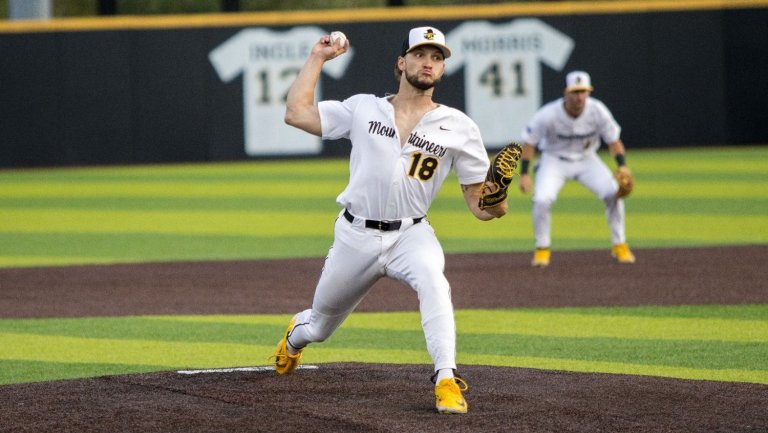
[{"x": 276, "y": 18}]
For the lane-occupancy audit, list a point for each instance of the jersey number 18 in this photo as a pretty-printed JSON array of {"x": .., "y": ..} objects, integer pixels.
[{"x": 424, "y": 168}]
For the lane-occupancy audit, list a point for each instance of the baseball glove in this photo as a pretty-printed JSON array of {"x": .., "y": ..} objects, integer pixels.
[
  {"x": 500, "y": 173},
  {"x": 626, "y": 182}
]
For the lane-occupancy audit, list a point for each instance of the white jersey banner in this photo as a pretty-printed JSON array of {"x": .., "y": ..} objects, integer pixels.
[
  {"x": 269, "y": 62},
  {"x": 502, "y": 76}
]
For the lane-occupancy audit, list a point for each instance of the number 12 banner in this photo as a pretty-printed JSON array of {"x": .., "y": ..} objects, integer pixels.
[{"x": 269, "y": 61}]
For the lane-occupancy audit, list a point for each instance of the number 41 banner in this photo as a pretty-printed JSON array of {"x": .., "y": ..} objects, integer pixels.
[{"x": 502, "y": 64}]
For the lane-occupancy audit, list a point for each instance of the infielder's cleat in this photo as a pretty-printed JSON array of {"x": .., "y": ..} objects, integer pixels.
[
  {"x": 448, "y": 397},
  {"x": 622, "y": 253},
  {"x": 541, "y": 257},
  {"x": 285, "y": 363}
]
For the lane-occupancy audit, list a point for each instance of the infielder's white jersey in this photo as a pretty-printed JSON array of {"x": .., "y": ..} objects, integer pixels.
[
  {"x": 389, "y": 181},
  {"x": 557, "y": 133}
]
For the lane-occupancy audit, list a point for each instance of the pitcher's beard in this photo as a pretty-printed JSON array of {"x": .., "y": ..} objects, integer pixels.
[{"x": 416, "y": 82}]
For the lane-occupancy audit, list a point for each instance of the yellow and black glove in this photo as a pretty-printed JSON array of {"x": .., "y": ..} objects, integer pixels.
[{"x": 500, "y": 173}]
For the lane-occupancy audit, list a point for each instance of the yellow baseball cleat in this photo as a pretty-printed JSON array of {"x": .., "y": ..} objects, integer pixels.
[
  {"x": 541, "y": 257},
  {"x": 285, "y": 363},
  {"x": 622, "y": 253},
  {"x": 448, "y": 397}
]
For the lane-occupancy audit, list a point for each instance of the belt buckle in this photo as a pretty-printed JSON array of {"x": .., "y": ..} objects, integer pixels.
[{"x": 386, "y": 226}]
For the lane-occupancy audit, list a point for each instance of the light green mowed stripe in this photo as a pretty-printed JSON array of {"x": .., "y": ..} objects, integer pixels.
[
  {"x": 668, "y": 189},
  {"x": 651, "y": 163},
  {"x": 193, "y": 341},
  {"x": 727, "y": 228},
  {"x": 577, "y": 323},
  {"x": 155, "y": 189},
  {"x": 194, "y": 172},
  {"x": 701, "y": 229},
  {"x": 227, "y": 223},
  {"x": 703, "y": 190},
  {"x": 171, "y": 354},
  {"x": 43, "y": 260}
]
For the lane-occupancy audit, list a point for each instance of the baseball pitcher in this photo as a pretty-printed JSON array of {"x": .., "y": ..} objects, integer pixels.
[{"x": 403, "y": 147}]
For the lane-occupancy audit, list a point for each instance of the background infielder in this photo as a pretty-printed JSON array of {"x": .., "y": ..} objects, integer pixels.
[
  {"x": 568, "y": 132},
  {"x": 403, "y": 147}
]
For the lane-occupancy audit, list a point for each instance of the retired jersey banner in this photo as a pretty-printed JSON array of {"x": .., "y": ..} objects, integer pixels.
[
  {"x": 502, "y": 65},
  {"x": 268, "y": 61}
]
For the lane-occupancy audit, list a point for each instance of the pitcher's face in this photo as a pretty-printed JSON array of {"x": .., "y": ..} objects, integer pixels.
[{"x": 423, "y": 66}]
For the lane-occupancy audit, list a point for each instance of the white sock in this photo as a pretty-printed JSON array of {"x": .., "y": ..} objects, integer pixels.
[
  {"x": 444, "y": 373},
  {"x": 291, "y": 350}
]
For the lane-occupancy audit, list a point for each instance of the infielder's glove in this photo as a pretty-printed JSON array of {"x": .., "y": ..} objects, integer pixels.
[
  {"x": 500, "y": 173},
  {"x": 625, "y": 180}
]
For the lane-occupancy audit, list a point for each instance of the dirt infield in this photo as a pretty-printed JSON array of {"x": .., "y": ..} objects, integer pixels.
[{"x": 378, "y": 397}]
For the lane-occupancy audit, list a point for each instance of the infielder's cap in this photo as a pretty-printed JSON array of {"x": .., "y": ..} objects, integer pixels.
[
  {"x": 578, "y": 80},
  {"x": 425, "y": 36}
]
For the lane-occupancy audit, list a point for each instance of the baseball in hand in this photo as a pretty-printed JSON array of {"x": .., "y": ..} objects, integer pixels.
[{"x": 338, "y": 36}]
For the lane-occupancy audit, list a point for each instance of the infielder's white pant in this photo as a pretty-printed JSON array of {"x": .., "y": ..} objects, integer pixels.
[
  {"x": 551, "y": 174},
  {"x": 358, "y": 258}
]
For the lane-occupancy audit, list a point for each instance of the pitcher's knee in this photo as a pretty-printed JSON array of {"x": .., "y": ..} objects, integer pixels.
[
  {"x": 435, "y": 299},
  {"x": 610, "y": 199}
]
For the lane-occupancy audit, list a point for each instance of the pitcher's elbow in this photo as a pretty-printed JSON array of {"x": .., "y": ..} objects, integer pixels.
[{"x": 289, "y": 117}]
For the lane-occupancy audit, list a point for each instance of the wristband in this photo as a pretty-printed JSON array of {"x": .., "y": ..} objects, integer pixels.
[
  {"x": 524, "y": 166},
  {"x": 620, "y": 160}
]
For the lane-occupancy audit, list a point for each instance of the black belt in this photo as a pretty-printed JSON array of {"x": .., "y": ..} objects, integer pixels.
[
  {"x": 565, "y": 158},
  {"x": 385, "y": 226}
]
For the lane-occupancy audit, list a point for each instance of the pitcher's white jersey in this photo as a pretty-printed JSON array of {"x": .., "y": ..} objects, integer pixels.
[
  {"x": 557, "y": 133},
  {"x": 389, "y": 181}
]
